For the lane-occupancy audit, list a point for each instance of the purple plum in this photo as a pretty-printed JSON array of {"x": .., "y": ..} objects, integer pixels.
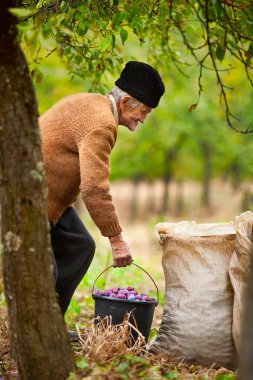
[
  {"x": 98, "y": 292},
  {"x": 121, "y": 296},
  {"x": 123, "y": 292},
  {"x": 133, "y": 292}
]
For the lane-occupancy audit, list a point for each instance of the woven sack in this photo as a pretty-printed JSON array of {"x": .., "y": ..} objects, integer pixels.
[
  {"x": 198, "y": 304},
  {"x": 239, "y": 269}
]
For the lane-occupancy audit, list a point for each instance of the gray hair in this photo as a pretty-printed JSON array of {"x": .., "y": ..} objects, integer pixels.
[{"x": 118, "y": 94}]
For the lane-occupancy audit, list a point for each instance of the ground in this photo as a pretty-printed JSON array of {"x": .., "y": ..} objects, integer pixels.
[
  {"x": 96, "y": 358},
  {"x": 141, "y": 236}
]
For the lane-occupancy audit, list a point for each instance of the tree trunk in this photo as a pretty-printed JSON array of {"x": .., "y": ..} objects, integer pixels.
[
  {"x": 40, "y": 343},
  {"x": 165, "y": 206},
  {"x": 236, "y": 176},
  {"x": 207, "y": 174},
  {"x": 179, "y": 207},
  {"x": 171, "y": 156},
  {"x": 151, "y": 201},
  {"x": 135, "y": 199}
]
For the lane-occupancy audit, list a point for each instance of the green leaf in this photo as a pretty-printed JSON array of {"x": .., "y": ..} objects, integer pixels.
[
  {"x": 247, "y": 62},
  {"x": 218, "y": 9},
  {"x": 63, "y": 6},
  {"x": 220, "y": 52},
  {"x": 73, "y": 376},
  {"x": 122, "y": 367},
  {"x": 118, "y": 19},
  {"x": 46, "y": 33},
  {"x": 82, "y": 30},
  {"x": 123, "y": 35},
  {"x": 137, "y": 24},
  {"x": 103, "y": 25},
  {"x": 21, "y": 12},
  {"x": 78, "y": 59},
  {"x": 82, "y": 363},
  {"x": 170, "y": 375},
  {"x": 228, "y": 376},
  {"x": 152, "y": 333},
  {"x": 59, "y": 18},
  {"x": 105, "y": 43},
  {"x": 113, "y": 41},
  {"x": 249, "y": 52},
  {"x": 37, "y": 75}
]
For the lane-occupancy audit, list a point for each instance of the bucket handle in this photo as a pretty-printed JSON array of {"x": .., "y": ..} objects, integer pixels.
[{"x": 112, "y": 266}]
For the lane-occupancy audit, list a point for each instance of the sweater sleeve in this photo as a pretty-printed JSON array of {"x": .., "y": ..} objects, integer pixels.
[{"x": 94, "y": 151}]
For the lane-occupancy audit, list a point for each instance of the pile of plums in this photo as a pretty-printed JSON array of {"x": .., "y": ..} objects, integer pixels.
[{"x": 128, "y": 293}]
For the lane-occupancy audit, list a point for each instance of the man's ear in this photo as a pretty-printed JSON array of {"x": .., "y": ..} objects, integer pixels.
[{"x": 124, "y": 100}]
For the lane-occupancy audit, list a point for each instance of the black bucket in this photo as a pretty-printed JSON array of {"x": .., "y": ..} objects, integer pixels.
[{"x": 142, "y": 312}]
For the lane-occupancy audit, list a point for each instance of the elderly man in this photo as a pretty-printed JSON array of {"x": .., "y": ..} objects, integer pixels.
[{"x": 78, "y": 134}]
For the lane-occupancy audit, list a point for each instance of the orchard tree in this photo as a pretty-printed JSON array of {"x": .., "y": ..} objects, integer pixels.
[
  {"x": 40, "y": 343},
  {"x": 89, "y": 36}
]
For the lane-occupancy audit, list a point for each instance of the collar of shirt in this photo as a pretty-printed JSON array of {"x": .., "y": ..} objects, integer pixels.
[{"x": 114, "y": 108}]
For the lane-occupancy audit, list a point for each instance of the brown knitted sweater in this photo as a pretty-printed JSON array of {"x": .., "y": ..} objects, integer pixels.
[{"x": 78, "y": 134}]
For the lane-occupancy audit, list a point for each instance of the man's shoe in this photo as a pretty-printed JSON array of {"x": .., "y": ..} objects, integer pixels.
[{"x": 73, "y": 335}]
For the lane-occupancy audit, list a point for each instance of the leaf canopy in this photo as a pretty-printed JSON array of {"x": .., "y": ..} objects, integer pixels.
[{"x": 90, "y": 36}]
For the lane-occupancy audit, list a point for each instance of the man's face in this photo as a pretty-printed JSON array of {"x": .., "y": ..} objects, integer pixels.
[{"x": 130, "y": 117}]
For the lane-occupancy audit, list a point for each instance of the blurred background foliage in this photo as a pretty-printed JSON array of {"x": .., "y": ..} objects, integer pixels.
[
  {"x": 203, "y": 50},
  {"x": 174, "y": 144}
]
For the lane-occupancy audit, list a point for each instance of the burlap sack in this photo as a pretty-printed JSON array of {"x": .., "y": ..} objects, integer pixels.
[
  {"x": 239, "y": 269},
  {"x": 198, "y": 305}
]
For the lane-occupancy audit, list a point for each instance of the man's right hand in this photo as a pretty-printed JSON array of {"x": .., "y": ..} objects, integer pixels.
[{"x": 120, "y": 251}]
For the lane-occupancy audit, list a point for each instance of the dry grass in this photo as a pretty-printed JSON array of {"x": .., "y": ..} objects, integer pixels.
[
  {"x": 111, "y": 354},
  {"x": 108, "y": 353},
  {"x": 105, "y": 342}
]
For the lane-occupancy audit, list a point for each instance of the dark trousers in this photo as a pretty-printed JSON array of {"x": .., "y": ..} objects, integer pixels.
[{"x": 73, "y": 248}]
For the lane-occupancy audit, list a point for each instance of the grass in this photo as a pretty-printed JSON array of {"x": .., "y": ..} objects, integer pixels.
[
  {"x": 122, "y": 362},
  {"x": 126, "y": 364},
  {"x": 106, "y": 352}
]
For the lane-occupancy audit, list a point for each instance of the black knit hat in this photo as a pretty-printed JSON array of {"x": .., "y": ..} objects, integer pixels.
[{"x": 141, "y": 81}]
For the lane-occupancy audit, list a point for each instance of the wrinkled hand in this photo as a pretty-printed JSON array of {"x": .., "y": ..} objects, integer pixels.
[{"x": 120, "y": 252}]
